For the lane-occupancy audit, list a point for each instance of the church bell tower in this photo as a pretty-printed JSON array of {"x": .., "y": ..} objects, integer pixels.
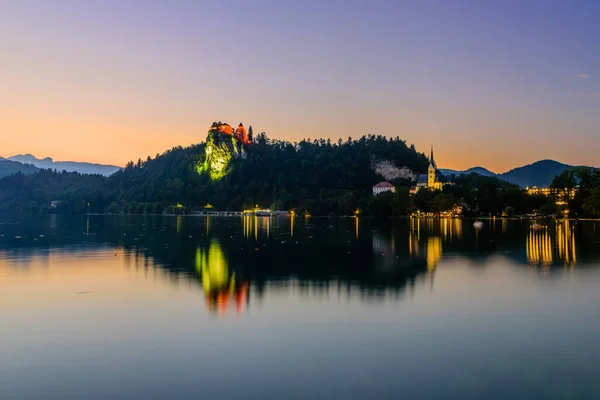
[{"x": 431, "y": 171}]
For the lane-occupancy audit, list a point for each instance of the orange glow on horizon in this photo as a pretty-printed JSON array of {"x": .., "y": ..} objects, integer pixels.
[{"x": 108, "y": 140}]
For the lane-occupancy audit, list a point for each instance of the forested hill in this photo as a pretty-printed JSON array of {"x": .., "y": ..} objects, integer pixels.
[{"x": 318, "y": 176}]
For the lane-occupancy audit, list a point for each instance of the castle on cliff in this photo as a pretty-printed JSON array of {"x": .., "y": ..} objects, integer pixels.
[{"x": 240, "y": 133}]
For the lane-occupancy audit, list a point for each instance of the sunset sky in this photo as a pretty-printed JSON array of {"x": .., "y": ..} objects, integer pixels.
[{"x": 491, "y": 83}]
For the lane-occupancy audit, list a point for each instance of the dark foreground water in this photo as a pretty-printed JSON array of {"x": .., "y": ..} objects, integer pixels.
[{"x": 171, "y": 307}]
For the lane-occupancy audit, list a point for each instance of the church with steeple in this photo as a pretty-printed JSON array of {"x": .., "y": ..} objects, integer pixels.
[{"x": 433, "y": 179}]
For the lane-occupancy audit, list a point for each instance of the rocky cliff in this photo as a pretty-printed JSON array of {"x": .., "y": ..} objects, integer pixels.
[
  {"x": 389, "y": 171},
  {"x": 223, "y": 144}
]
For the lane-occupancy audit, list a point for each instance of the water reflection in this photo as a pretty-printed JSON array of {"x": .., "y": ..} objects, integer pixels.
[
  {"x": 550, "y": 244},
  {"x": 253, "y": 225},
  {"x": 429, "y": 245},
  {"x": 218, "y": 282},
  {"x": 322, "y": 302},
  {"x": 230, "y": 257}
]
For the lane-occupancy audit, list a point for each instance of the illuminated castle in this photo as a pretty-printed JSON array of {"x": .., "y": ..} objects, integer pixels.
[
  {"x": 240, "y": 133},
  {"x": 222, "y": 145}
]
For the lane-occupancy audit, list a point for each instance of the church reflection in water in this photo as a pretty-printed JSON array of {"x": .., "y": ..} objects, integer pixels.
[
  {"x": 426, "y": 238},
  {"x": 221, "y": 289},
  {"x": 233, "y": 259},
  {"x": 371, "y": 257}
]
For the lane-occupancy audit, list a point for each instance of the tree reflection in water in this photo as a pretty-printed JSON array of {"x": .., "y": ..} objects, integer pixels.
[{"x": 374, "y": 259}]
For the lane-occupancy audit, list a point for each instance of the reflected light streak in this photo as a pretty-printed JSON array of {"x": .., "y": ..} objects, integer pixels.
[
  {"x": 546, "y": 246},
  {"x": 292, "y": 226},
  {"x": 255, "y": 227}
]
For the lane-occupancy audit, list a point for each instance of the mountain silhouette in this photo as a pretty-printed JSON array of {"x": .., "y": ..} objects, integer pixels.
[
  {"x": 478, "y": 170},
  {"x": 69, "y": 166},
  {"x": 540, "y": 173},
  {"x": 8, "y": 167}
]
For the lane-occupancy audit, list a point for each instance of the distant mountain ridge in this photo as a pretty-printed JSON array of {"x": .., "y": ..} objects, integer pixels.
[
  {"x": 540, "y": 173},
  {"x": 478, "y": 170},
  {"x": 8, "y": 167},
  {"x": 69, "y": 166}
]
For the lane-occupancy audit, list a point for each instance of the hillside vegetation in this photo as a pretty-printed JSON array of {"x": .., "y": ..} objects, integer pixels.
[
  {"x": 233, "y": 170},
  {"x": 317, "y": 176}
]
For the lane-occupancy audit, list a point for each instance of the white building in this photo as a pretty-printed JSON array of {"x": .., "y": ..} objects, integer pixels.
[{"x": 383, "y": 187}]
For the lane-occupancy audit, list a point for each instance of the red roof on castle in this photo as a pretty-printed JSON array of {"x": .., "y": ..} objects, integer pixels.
[
  {"x": 240, "y": 133},
  {"x": 383, "y": 185}
]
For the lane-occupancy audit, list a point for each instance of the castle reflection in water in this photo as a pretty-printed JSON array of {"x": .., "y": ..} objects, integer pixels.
[
  {"x": 421, "y": 242},
  {"x": 236, "y": 259},
  {"x": 221, "y": 289}
]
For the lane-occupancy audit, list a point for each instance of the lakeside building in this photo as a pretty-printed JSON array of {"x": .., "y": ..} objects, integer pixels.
[
  {"x": 383, "y": 187},
  {"x": 561, "y": 195}
]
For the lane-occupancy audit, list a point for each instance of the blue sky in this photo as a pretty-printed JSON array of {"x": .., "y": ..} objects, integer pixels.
[{"x": 497, "y": 84}]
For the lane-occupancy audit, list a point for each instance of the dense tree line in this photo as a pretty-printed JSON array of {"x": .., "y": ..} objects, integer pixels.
[
  {"x": 316, "y": 176},
  {"x": 579, "y": 189},
  {"x": 319, "y": 176},
  {"x": 479, "y": 195},
  {"x": 70, "y": 192}
]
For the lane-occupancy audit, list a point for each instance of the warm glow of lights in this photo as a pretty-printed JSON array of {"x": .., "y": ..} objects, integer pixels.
[
  {"x": 539, "y": 247},
  {"x": 222, "y": 128},
  {"x": 255, "y": 227},
  {"x": 544, "y": 246},
  {"x": 561, "y": 195},
  {"x": 434, "y": 252}
]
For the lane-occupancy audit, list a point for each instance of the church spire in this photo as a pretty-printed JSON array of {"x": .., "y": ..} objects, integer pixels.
[{"x": 431, "y": 160}]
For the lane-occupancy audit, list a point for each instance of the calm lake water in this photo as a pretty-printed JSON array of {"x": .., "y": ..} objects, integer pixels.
[{"x": 215, "y": 307}]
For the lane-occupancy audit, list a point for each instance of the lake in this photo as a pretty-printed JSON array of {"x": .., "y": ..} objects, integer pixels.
[{"x": 162, "y": 307}]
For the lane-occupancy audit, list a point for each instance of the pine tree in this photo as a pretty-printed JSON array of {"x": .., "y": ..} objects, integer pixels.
[{"x": 250, "y": 134}]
